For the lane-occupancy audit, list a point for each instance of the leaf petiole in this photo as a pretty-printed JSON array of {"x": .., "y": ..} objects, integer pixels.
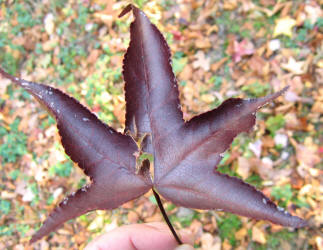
[{"x": 169, "y": 224}]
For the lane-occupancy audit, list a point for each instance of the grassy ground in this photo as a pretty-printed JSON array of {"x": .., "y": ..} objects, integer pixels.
[{"x": 220, "y": 49}]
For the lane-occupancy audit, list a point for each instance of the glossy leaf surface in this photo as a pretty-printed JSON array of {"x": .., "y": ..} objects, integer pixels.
[
  {"x": 105, "y": 155},
  {"x": 185, "y": 153}
]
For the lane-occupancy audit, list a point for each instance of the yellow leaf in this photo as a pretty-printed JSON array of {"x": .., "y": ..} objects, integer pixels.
[
  {"x": 319, "y": 242},
  {"x": 97, "y": 223},
  {"x": 284, "y": 26},
  {"x": 258, "y": 235},
  {"x": 208, "y": 98},
  {"x": 296, "y": 67},
  {"x": 320, "y": 63}
]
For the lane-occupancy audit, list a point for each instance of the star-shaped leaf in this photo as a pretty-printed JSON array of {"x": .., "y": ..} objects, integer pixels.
[
  {"x": 184, "y": 154},
  {"x": 295, "y": 67},
  {"x": 284, "y": 26}
]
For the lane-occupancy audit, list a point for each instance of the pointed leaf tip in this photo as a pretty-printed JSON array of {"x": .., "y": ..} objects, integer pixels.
[
  {"x": 151, "y": 89},
  {"x": 127, "y": 9},
  {"x": 8, "y": 76},
  {"x": 258, "y": 103},
  {"x": 277, "y": 94}
]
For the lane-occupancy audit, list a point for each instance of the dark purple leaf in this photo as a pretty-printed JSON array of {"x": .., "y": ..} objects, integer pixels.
[
  {"x": 104, "y": 154},
  {"x": 185, "y": 153},
  {"x": 151, "y": 90}
]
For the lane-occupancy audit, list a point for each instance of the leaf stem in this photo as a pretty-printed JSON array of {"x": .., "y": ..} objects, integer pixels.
[{"x": 161, "y": 207}]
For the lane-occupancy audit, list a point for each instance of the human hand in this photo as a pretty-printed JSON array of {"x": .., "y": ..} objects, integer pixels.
[{"x": 148, "y": 236}]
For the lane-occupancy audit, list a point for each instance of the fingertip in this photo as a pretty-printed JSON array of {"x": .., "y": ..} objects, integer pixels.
[
  {"x": 187, "y": 237},
  {"x": 135, "y": 237},
  {"x": 184, "y": 247}
]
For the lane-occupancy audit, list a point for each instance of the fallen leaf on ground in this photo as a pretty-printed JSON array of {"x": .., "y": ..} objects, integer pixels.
[
  {"x": 201, "y": 61},
  {"x": 296, "y": 67},
  {"x": 243, "y": 167},
  {"x": 241, "y": 49},
  {"x": 314, "y": 12},
  {"x": 307, "y": 156},
  {"x": 258, "y": 235},
  {"x": 284, "y": 26}
]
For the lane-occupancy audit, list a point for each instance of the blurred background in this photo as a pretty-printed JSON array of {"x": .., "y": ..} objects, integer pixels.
[{"x": 220, "y": 49}]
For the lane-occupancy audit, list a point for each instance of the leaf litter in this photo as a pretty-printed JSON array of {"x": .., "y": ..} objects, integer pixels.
[{"x": 309, "y": 122}]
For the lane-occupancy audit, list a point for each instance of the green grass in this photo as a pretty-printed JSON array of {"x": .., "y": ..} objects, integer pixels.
[
  {"x": 63, "y": 169},
  {"x": 14, "y": 143},
  {"x": 256, "y": 89},
  {"x": 6, "y": 230},
  {"x": 254, "y": 180},
  {"x": 34, "y": 188},
  {"x": 19, "y": 229},
  {"x": 217, "y": 82},
  {"x": 228, "y": 226},
  {"x": 5, "y": 207},
  {"x": 275, "y": 123},
  {"x": 179, "y": 61},
  {"x": 14, "y": 174},
  {"x": 282, "y": 194},
  {"x": 275, "y": 240},
  {"x": 140, "y": 3},
  {"x": 48, "y": 122},
  {"x": 25, "y": 18}
]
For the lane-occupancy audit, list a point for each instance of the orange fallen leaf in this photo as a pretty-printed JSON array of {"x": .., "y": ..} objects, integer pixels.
[{"x": 230, "y": 4}]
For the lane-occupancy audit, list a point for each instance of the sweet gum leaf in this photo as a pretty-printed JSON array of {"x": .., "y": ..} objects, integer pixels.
[{"x": 184, "y": 154}]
